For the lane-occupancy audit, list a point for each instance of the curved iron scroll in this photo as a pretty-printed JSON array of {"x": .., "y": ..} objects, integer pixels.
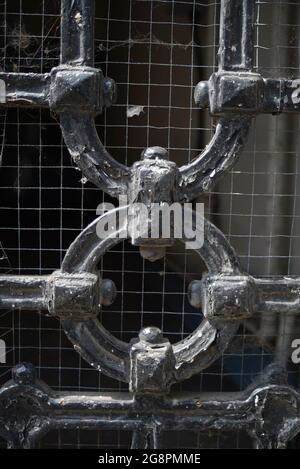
[
  {"x": 76, "y": 91},
  {"x": 94, "y": 160}
]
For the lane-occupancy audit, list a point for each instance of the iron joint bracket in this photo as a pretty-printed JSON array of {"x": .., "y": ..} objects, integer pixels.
[
  {"x": 238, "y": 297},
  {"x": 229, "y": 92},
  {"x": 72, "y": 296},
  {"x": 152, "y": 363},
  {"x": 80, "y": 89}
]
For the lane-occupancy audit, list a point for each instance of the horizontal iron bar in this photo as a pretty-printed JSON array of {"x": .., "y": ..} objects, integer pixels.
[
  {"x": 61, "y": 294},
  {"x": 240, "y": 296},
  {"x": 26, "y": 292},
  {"x": 277, "y": 295},
  {"x": 77, "y": 89},
  {"x": 281, "y": 95},
  {"x": 252, "y": 410},
  {"x": 25, "y": 89},
  {"x": 247, "y": 93},
  {"x": 220, "y": 296}
]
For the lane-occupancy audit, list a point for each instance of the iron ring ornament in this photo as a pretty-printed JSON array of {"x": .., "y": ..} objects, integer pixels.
[
  {"x": 113, "y": 357},
  {"x": 76, "y": 91}
]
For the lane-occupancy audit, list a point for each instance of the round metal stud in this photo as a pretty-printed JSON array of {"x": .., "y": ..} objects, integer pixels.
[
  {"x": 195, "y": 294},
  {"x": 108, "y": 292},
  {"x": 151, "y": 335},
  {"x": 24, "y": 373}
]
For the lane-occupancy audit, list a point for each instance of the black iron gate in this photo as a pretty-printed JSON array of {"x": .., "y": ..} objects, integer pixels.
[{"x": 76, "y": 92}]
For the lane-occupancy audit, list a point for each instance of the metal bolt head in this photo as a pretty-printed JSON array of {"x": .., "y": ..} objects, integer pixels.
[
  {"x": 195, "y": 294},
  {"x": 201, "y": 94},
  {"x": 108, "y": 292},
  {"x": 151, "y": 335},
  {"x": 24, "y": 373},
  {"x": 152, "y": 253},
  {"x": 153, "y": 153},
  {"x": 109, "y": 91}
]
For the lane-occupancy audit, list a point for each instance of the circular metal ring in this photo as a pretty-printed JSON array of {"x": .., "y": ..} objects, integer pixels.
[{"x": 112, "y": 356}]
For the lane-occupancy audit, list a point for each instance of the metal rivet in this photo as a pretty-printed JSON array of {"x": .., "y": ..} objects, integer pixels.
[
  {"x": 152, "y": 253},
  {"x": 108, "y": 292},
  {"x": 201, "y": 95},
  {"x": 110, "y": 92},
  {"x": 24, "y": 373},
  {"x": 152, "y": 153},
  {"x": 152, "y": 335},
  {"x": 195, "y": 294}
]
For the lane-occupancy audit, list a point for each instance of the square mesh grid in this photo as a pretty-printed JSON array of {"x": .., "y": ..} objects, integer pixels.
[{"x": 157, "y": 51}]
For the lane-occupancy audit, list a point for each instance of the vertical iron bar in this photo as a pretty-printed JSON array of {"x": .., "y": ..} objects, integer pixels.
[
  {"x": 139, "y": 439},
  {"x": 77, "y": 32},
  {"x": 146, "y": 439},
  {"x": 236, "y": 35}
]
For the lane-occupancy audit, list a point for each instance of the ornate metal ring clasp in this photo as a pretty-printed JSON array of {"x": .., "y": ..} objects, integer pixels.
[{"x": 150, "y": 363}]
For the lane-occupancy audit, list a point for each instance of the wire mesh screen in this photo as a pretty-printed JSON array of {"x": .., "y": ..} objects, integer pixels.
[{"x": 157, "y": 51}]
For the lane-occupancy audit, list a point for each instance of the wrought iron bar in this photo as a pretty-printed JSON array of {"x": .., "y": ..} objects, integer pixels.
[
  {"x": 236, "y": 35},
  {"x": 77, "y": 295},
  {"x": 239, "y": 297},
  {"x": 25, "y": 89},
  {"x": 77, "y": 32},
  {"x": 268, "y": 412}
]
